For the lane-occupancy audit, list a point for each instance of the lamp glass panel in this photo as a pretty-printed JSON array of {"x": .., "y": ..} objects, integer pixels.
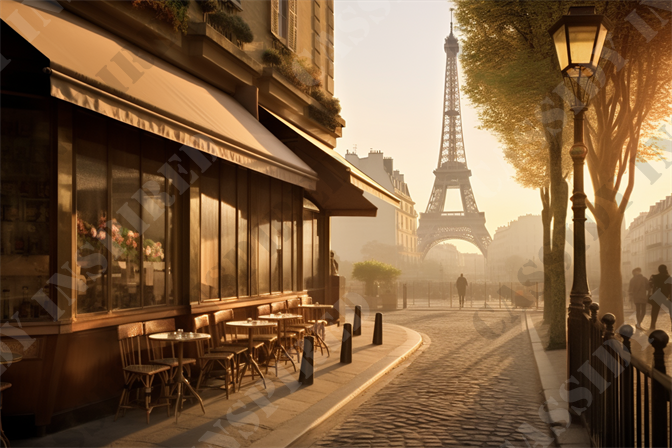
[
  {"x": 601, "y": 36},
  {"x": 581, "y": 41},
  {"x": 560, "y": 40}
]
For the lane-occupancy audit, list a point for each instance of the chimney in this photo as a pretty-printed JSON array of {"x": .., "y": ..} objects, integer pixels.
[{"x": 388, "y": 163}]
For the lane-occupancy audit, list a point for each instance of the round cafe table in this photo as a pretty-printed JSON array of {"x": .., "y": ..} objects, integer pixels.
[
  {"x": 180, "y": 338},
  {"x": 6, "y": 358},
  {"x": 252, "y": 326},
  {"x": 317, "y": 310},
  {"x": 280, "y": 349}
]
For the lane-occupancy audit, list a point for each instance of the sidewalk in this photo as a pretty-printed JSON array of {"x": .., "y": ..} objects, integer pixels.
[
  {"x": 552, "y": 367},
  {"x": 254, "y": 416}
]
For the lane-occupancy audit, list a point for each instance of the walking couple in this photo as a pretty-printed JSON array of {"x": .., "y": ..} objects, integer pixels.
[{"x": 656, "y": 291}]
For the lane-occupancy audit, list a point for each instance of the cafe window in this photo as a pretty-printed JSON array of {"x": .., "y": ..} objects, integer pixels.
[
  {"x": 313, "y": 225},
  {"x": 128, "y": 206},
  {"x": 249, "y": 233},
  {"x": 25, "y": 206}
]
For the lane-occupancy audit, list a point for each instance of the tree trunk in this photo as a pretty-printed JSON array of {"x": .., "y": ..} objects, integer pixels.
[
  {"x": 609, "y": 220},
  {"x": 557, "y": 329},
  {"x": 546, "y": 218},
  {"x": 559, "y": 197}
]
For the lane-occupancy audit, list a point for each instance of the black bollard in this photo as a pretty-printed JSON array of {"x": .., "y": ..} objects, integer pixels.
[
  {"x": 378, "y": 330},
  {"x": 346, "y": 344},
  {"x": 357, "y": 327},
  {"x": 306, "y": 373}
]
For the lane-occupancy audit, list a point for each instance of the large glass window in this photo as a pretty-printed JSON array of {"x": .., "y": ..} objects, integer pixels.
[
  {"x": 228, "y": 230},
  {"x": 123, "y": 143},
  {"x": 210, "y": 233},
  {"x": 262, "y": 203},
  {"x": 243, "y": 233},
  {"x": 128, "y": 198},
  {"x": 308, "y": 249},
  {"x": 287, "y": 238},
  {"x": 92, "y": 176},
  {"x": 25, "y": 205},
  {"x": 276, "y": 236},
  {"x": 249, "y": 233}
]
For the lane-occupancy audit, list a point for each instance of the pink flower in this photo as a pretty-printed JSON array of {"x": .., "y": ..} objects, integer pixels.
[
  {"x": 162, "y": 256},
  {"x": 148, "y": 251},
  {"x": 135, "y": 245},
  {"x": 93, "y": 232},
  {"x": 130, "y": 234},
  {"x": 102, "y": 235}
]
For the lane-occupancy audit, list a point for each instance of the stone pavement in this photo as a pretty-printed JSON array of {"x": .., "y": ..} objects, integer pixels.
[
  {"x": 254, "y": 416},
  {"x": 475, "y": 385}
]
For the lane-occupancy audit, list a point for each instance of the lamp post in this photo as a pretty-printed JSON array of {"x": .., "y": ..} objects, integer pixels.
[{"x": 579, "y": 38}]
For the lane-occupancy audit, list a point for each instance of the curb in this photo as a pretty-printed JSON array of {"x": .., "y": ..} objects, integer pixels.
[
  {"x": 293, "y": 429},
  {"x": 552, "y": 382}
]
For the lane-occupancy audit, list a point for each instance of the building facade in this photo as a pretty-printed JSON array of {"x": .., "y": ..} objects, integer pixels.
[
  {"x": 159, "y": 166},
  {"x": 392, "y": 236},
  {"x": 647, "y": 243},
  {"x": 514, "y": 246}
]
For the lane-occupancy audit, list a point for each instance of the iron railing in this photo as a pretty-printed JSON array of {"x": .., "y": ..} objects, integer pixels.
[{"x": 626, "y": 400}]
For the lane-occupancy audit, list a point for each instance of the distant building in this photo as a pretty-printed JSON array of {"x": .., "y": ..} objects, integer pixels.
[
  {"x": 648, "y": 241},
  {"x": 392, "y": 234},
  {"x": 513, "y": 246}
]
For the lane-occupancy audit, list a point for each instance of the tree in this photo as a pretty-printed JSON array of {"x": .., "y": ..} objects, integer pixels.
[
  {"x": 373, "y": 271},
  {"x": 631, "y": 97},
  {"x": 509, "y": 62},
  {"x": 512, "y": 78}
]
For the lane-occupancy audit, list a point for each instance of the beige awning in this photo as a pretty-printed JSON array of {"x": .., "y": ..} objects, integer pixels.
[
  {"x": 97, "y": 70},
  {"x": 341, "y": 184}
]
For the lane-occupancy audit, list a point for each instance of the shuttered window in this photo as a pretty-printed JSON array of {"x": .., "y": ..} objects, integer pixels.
[
  {"x": 284, "y": 22},
  {"x": 292, "y": 36}
]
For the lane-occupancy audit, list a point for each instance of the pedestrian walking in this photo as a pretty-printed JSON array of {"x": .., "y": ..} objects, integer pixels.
[
  {"x": 461, "y": 285},
  {"x": 661, "y": 288},
  {"x": 637, "y": 291}
]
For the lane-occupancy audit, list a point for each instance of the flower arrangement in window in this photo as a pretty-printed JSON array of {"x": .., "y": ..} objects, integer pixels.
[
  {"x": 124, "y": 241},
  {"x": 153, "y": 250}
]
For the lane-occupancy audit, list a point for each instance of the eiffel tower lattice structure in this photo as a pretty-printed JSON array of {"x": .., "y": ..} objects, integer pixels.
[{"x": 437, "y": 224}]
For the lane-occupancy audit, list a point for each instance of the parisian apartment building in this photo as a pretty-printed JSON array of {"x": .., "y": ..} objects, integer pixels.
[
  {"x": 392, "y": 235},
  {"x": 160, "y": 164},
  {"x": 647, "y": 242}
]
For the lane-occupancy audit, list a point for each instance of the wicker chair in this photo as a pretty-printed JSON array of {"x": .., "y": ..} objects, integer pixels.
[
  {"x": 226, "y": 339},
  {"x": 130, "y": 338},
  {"x": 208, "y": 359},
  {"x": 157, "y": 349}
]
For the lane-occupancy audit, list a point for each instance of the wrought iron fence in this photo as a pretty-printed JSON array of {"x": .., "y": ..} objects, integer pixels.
[
  {"x": 478, "y": 294},
  {"x": 626, "y": 400}
]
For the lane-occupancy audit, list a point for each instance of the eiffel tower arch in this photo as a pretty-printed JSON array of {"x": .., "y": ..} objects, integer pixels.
[{"x": 437, "y": 224}]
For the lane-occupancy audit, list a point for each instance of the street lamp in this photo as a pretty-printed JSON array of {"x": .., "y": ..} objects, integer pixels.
[{"x": 579, "y": 38}]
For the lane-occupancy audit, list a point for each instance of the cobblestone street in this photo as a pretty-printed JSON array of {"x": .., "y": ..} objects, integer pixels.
[{"x": 475, "y": 385}]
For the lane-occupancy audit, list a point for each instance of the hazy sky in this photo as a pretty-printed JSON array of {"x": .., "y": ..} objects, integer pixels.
[{"x": 389, "y": 77}]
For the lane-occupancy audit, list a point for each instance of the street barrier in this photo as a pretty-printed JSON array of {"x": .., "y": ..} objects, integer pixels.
[
  {"x": 378, "y": 330},
  {"x": 357, "y": 327},
  {"x": 306, "y": 374},
  {"x": 346, "y": 344}
]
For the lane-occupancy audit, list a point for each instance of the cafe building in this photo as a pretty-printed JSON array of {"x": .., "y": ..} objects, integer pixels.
[{"x": 157, "y": 169}]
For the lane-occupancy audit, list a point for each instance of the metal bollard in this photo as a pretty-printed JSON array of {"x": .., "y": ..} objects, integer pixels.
[
  {"x": 405, "y": 296},
  {"x": 357, "y": 327},
  {"x": 346, "y": 344},
  {"x": 306, "y": 374},
  {"x": 378, "y": 330}
]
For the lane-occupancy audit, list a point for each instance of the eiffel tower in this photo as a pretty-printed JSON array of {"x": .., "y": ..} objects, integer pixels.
[{"x": 437, "y": 224}]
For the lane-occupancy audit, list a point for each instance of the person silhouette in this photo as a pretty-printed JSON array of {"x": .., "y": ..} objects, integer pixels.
[
  {"x": 461, "y": 285},
  {"x": 637, "y": 291},
  {"x": 661, "y": 289}
]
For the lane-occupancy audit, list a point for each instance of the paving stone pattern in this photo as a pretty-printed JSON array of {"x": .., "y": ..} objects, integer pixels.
[{"x": 475, "y": 385}]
